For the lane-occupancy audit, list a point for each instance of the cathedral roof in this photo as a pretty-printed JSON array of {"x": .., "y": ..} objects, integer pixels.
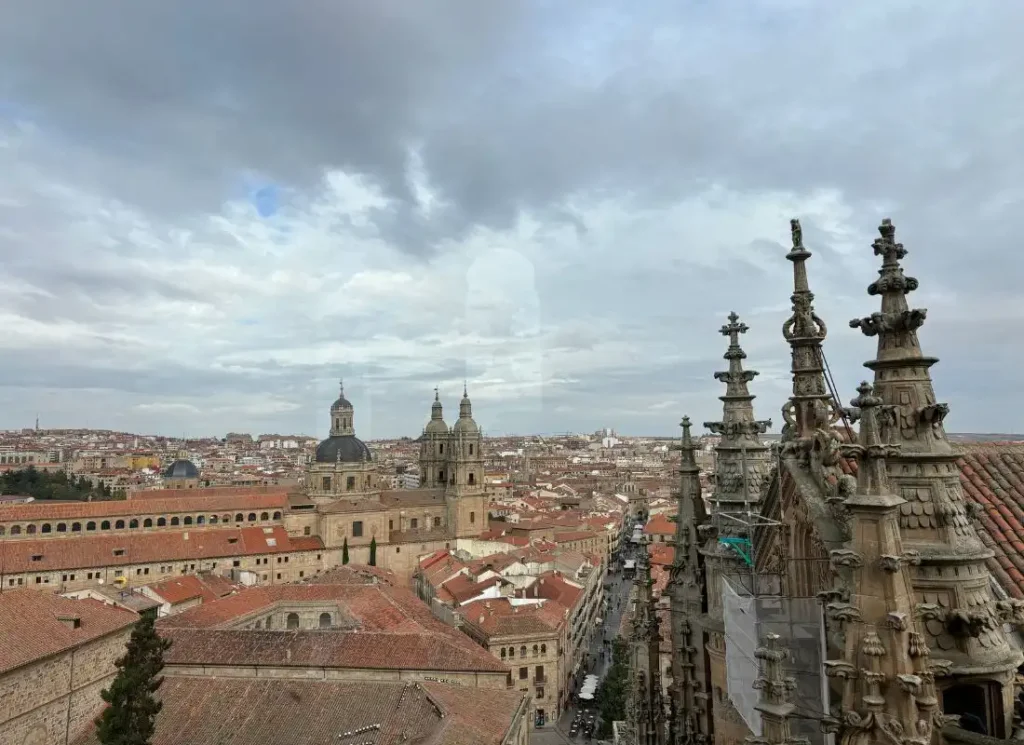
[
  {"x": 343, "y": 449},
  {"x": 181, "y": 469}
]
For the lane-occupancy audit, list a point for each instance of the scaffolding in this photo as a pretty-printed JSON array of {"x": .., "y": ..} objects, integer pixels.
[{"x": 753, "y": 605}]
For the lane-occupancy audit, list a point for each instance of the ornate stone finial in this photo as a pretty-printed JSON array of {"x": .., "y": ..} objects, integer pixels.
[
  {"x": 341, "y": 388},
  {"x": 810, "y": 409},
  {"x": 872, "y": 479},
  {"x": 688, "y": 461},
  {"x": 465, "y": 389},
  {"x": 733, "y": 329},
  {"x": 895, "y": 319},
  {"x": 775, "y": 688},
  {"x": 437, "y": 395}
]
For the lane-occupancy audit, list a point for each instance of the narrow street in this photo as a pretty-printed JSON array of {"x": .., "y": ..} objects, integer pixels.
[{"x": 618, "y": 595}]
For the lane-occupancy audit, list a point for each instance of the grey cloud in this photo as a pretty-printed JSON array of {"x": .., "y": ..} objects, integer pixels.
[{"x": 895, "y": 106}]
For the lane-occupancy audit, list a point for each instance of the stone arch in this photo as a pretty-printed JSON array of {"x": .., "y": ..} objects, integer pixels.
[{"x": 292, "y": 621}]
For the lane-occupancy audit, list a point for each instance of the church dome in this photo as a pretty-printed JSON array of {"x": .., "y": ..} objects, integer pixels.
[
  {"x": 342, "y": 449},
  {"x": 436, "y": 425},
  {"x": 465, "y": 424},
  {"x": 181, "y": 469}
]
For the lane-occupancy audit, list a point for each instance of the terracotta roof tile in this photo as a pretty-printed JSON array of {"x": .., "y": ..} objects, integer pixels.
[
  {"x": 393, "y": 629},
  {"x": 205, "y": 711},
  {"x": 243, "y": 499},
  {"x": 31, "y": 628},
  {"x": 87, "y": 551}
]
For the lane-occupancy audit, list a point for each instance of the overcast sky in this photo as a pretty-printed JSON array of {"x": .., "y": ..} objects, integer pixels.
[{"x": 211, "y": 211}]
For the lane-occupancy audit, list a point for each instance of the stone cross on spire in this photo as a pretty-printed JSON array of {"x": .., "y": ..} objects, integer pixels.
[
  {"x": 966, "y": 621},
  {"x": 742, "y": 457},
  {"x": 341, "y": 387},
  {"x": 810, "y": 408}
]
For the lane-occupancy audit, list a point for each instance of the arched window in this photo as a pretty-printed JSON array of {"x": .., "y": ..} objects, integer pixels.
[
  {"x": 264, "y": 516},
  {"x": 502, "y": 653},
  {"x": 147, "y": 523},
  {"x": 90, "y": 525},
  {"x": 175, "y": 521},
  {"x": 3, "y": 530},
  {"x": 543, "y": 648},
  {"x": 46, "y": 528},
  {"x": 62, "y": 527},
  {"x": 259, "y": 624},
  {"x": 227, "y": 519},
  {"x": 293, "y": 621},
  {"x": 213, "y": 519},
  {"x": 239, "y": 517},
  {"x": 30, "y": 529},
  {"x": 522, "y": 651},
  {"x": 119, "y": 525},
  {"x": 15, "y": 530},
  {"x": 133, "y": 523},
  {"x": 188, "y": 519},
  {"x": 472, "y": 478},
  {"x": 277, "y": 515},
  {"x": 252, "y": 517},
  {"x": 105, "y": 525},
  {"x": 536, "y": 650},
  {"x": 437, "y": 522},
  {"x": 161, "y": 522},
  {"x": 325, "y": 620},
  {"x": 201, "y": 520}
]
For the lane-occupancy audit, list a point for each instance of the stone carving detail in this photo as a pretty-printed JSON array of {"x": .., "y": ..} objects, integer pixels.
[
  {"x": 845, "y": 558},
  {"x": 893, "y": 564}
]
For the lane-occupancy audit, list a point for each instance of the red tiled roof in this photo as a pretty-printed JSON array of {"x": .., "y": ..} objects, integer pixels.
[
  {"x": 394, "y": 630},
  {"x": 660, "y": 525},
  {"x": 87, "y": 551},
  {"x": 31, "y": 628},
  {"x": 207, "y": 587},
  {"x": 243, "y": 500},
  {"x": 497, "y": 618},
  {"x": 257, "y": 711},
  {"x": 992, "y": 476}
]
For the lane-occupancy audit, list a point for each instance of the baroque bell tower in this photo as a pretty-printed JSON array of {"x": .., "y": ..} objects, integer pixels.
[
  {"x": 464, "y": 492},
  {"x": 434, "y": 449}
]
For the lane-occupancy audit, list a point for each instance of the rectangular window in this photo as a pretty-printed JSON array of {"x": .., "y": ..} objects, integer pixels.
[
  {"x": 437, "y": 522},
  {"x": 306, "y": 530},
  {"x": 350, "y": 483},
  {"x": 540, "y": 693},
  {"x": 327, "y": 483},
  {"x": 524, "y": 673},
  {"x": 391, "y": 524},
  {"x": 236, "y": 563},
  {"x": 470, "y": 449},
  {"x": 357, "y": 529},
  {"x": 472, "y": 517},
  {"x": 539, "y": 672},
  {"x": 414, "y": 523}
]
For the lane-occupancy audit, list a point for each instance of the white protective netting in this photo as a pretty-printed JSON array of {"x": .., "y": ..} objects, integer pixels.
[
  {"x": 799, "y": 623},
  {"x": 740, "y": 617}
]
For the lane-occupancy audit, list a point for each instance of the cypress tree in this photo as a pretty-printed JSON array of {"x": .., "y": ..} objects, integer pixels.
[
  {"x": 344, "y": 551},
  {"x": 373, "y": 552},
  {"x": 130, "y": 718}
]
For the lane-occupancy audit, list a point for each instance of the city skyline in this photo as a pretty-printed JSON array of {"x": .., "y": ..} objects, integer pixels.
[{"x": 559, "y": 204}]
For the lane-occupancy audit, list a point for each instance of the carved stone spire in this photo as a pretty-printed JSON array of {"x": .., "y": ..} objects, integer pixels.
[
  {"x": 811, "y": 407},
  {"x": 742, "y": 457},
  {"x": 888, "y": 680},
  {"x": 952, "y": 574},
  {"x": 775, "y": 687},
  {"x": 648, "y": 709},
  {"x": 690, "y": 714}
]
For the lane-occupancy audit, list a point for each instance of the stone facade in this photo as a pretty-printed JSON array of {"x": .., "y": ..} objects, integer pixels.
[{"x": 53, "y": 700}]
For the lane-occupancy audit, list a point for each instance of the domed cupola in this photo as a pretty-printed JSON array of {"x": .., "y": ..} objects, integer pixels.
[
  {"x": 465, "y": 423},
  {"x": 342, "y": 446},
  {"x": 436, "y": 425},
  {"x": 182, "y": 468}
]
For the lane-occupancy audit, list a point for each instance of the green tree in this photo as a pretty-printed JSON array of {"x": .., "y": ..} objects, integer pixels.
[
  {"x": 130, "y": 718},
  {"x": 373, "y": 552},
  {"x": 344, "y": 551},
  {"x": 611, "y": 696}
]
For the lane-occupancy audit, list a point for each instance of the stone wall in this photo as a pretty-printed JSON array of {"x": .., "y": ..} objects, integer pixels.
[{"x": 40, "y": 704}]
